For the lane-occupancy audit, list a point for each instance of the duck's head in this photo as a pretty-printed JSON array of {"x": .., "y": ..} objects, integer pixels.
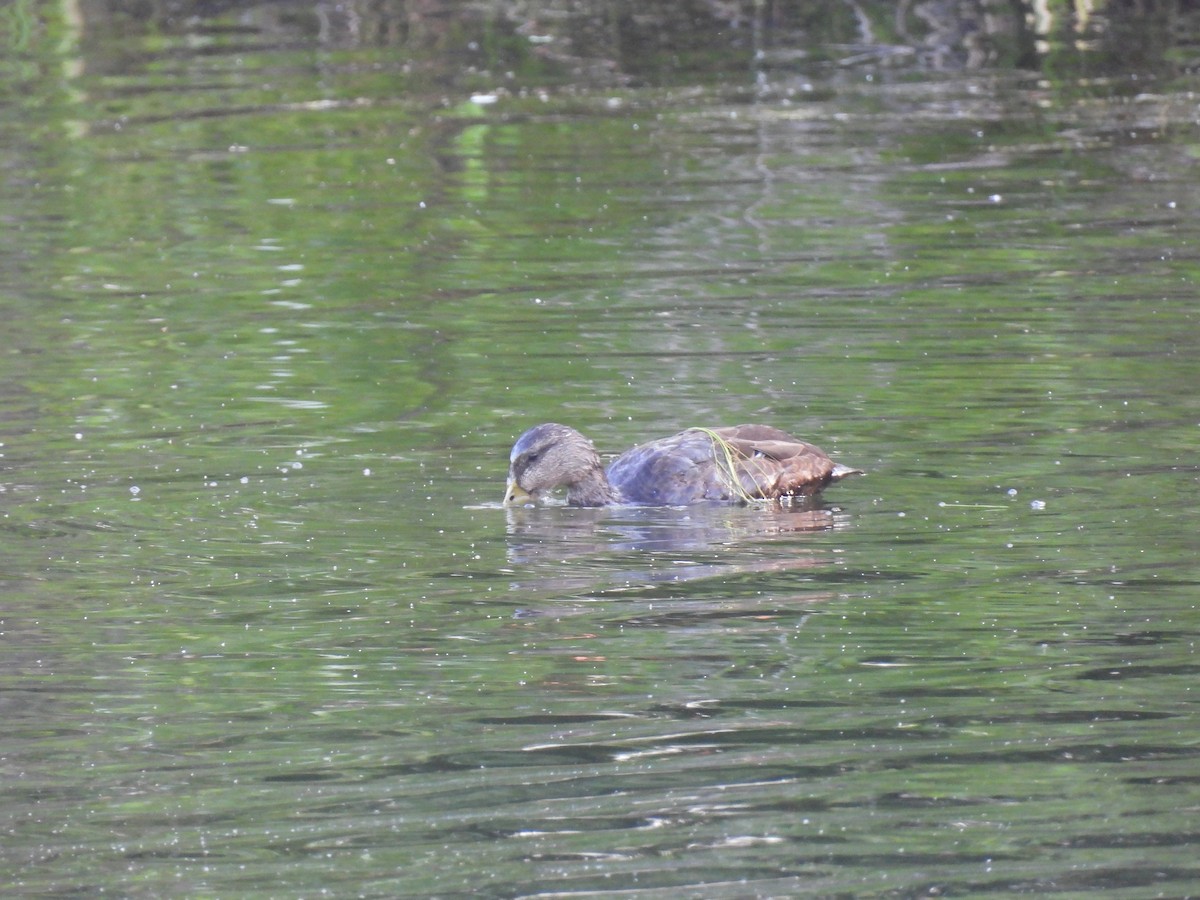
[{"x": 546, "y": 457}]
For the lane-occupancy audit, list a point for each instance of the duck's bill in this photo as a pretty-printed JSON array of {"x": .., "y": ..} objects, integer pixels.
[{"x": 515, "y": 495}]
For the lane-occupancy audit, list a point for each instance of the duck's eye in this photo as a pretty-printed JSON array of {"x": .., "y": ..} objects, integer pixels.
[{"x": 531, "y": 458}]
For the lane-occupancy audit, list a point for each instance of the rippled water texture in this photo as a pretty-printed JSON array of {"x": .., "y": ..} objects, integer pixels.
[{"x": 282, "y": 284}]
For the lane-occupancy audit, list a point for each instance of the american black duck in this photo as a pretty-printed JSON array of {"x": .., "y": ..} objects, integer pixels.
[{"x": 739, "y": 463}]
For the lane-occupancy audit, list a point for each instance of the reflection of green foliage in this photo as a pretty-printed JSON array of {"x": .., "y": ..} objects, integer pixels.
[
  {"x": 18, "y": 20},
  {"x": 237, "y": 244}
]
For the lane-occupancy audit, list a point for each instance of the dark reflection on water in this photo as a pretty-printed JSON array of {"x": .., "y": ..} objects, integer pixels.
[{"x": 565, "y": 532}]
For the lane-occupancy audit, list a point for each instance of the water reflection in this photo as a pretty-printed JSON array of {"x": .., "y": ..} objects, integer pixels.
[
  {"x": 559, "y": 551},
  {"x": 586, "y": 42},
  {"x": 548, "y": 531}
]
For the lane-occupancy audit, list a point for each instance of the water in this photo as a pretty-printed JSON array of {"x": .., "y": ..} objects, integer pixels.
[{"x": 277, "y": 301}]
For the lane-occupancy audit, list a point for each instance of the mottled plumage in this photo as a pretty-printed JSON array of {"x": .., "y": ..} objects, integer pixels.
[{"x": 738, "y": 463}]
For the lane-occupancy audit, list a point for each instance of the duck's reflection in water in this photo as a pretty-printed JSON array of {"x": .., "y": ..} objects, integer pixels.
[{"x": 562, "y": 551}]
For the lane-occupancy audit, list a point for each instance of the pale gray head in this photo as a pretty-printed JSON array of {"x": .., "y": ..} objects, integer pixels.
[{"x": 549, "y": 456}]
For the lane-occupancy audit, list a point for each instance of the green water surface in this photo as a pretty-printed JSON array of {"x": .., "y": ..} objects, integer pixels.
[{"x": 279, "y": 292}]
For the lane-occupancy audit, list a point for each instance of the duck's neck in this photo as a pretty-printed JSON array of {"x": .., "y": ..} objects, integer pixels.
[{"x": 593, "y": 490}]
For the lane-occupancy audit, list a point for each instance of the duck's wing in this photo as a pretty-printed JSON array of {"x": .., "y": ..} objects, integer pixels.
[
  {"x": 772, "y": 463},
  {"x": 741, "y": 462},
  {"x": 672, "y": 471}
]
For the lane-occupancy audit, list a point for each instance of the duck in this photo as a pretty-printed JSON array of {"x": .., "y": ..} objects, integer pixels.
[{"x": 732, "y": 464}]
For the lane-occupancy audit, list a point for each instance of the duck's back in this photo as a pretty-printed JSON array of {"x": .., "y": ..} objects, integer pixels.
[{"x": 740, "y": 462}]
